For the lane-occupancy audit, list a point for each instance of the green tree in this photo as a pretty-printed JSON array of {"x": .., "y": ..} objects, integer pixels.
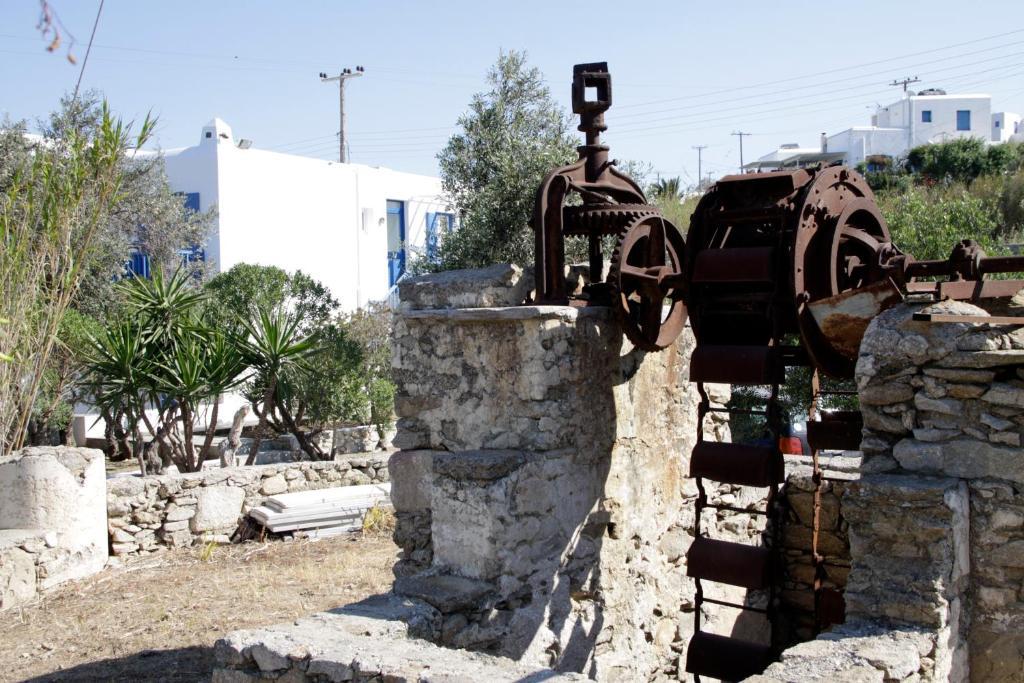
[
  {"x": 512, "y": 135},
  {"x": 273, "y": 347},
  {"x": 668, "y": 189},
  {"x": 245, "y": 289},
  {"x": 148, "y": 216},
  {"x": 54, "y": 204},
  {"x": 371, "y": 328}
]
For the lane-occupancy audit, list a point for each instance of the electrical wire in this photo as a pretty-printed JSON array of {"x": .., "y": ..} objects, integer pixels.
[{"x": 88, "y": 49}]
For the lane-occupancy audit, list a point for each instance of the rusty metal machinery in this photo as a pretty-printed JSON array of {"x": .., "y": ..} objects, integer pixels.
[
  {"x": 593, "y": 199},
  {"x": 777, "y": 270}
]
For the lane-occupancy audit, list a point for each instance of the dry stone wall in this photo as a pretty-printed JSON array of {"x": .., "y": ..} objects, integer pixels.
[
  {"x": 542, "y": 494},
  {"x": 148, "y": 514},
  {"x": 935, "y": 520}
]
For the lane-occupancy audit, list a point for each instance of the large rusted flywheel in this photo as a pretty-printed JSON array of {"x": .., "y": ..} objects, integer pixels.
[
  {"x": 759, "y": 250},
  {"x": 646, "y": 278}
]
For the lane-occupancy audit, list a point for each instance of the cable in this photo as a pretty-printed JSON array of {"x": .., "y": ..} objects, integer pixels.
[
  {"x": 829, "y": 71},
  {"x": 746, "y": 114},
  {"x": 825, "y": 92},
  {"x": 88, "y": 49}
]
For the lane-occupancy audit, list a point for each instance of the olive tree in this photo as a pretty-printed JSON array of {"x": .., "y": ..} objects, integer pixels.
[{"x": 510, "y": 137}]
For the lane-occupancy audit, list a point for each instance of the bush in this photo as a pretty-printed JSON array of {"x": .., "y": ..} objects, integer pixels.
[
  {"x": 964, "y": 159},
  {"x": 928, "y": 222}
]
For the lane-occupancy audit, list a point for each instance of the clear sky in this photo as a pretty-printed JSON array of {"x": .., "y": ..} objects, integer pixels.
[{"x": 684, "y": 73}]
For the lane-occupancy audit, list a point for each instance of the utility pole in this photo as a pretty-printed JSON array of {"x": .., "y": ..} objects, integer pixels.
[
  {"x": 905, "y": 82},
  {"x": 341, "y": 78},
  {"x": 740, "y": 134},
  {"x": 699, "y": 148}
]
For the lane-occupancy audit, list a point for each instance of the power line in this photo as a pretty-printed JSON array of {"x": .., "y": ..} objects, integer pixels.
[
  {"x": 905, "y": 82},
  {"x": 341, "y": 78},
  {"x": 788, "y": 97},
  {"x": 700, "y": 148},
  {"x": 88, "y": 49},
  {"x": 741, "y": 134},
  {"x": 831, "y": 71},
  {"x": 687, "y": 120}
]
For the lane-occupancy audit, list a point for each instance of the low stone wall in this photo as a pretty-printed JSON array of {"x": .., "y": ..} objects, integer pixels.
[
  {"x": 147, "y": 514},
  {"x": 52, "y": 519},
  {"x": 383, "y": 638},
  {"x": 797, "y": 595}
]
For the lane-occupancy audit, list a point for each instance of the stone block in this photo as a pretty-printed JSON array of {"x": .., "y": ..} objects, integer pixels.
[
  {"x": 273, "y": 485},
  {"x": 17, "y": 577},
  {"x": 501, "y": 284},
  {"x": 62, "y": 490},
  {"x": 412, "y": 476},
  {"x": 217, "y": 507},
  {"x": 965, "y": 458},
  {"x": 176, "y": 513},
  {"x": 447, "y": 593}
]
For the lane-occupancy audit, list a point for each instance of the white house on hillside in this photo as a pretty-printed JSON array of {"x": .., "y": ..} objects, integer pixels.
[
  {"x": 923, "y": 118},
  {"x": 917, "y": 119},
  {"x": 353, "y": 227}
]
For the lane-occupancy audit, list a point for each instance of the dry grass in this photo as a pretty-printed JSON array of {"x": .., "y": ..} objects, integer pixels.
[{"x": 158, "y": 617}]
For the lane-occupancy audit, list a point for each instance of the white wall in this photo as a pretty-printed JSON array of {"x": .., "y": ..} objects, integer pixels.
[
  {"x": 1004, "y": 125},
  {"x": 860, "y": 143},
  {"x": 324, "y": 218},
  {"x": 943, "y": 123}
]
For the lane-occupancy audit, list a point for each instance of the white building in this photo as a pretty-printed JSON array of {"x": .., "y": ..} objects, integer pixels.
[
  {"x": 353, "y": 227},
  {"x": 918, "y": 119},
  {"x": 1005, "y": 125},
  {"x": 790, "y": 156}
]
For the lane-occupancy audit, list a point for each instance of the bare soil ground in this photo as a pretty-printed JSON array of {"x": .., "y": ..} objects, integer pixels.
[{"x": 157, "y": 618}]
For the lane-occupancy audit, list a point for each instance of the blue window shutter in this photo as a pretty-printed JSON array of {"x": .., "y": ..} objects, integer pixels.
[
  {"x": 963, "y": 119},
  {"x": 192, "y": 201}
]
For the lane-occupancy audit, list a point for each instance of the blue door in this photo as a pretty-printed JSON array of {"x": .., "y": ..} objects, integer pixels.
[{"x": 396, "y": 241}]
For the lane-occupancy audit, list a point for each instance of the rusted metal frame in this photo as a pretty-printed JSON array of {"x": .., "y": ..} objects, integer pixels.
[
  {"x": 967, "y": 290},
  {"x": 816, "y": 557},
  {"x": 971, "y": 319},
  {"x": 748, "y": 608},
  {"x": 702, "y": 499}
]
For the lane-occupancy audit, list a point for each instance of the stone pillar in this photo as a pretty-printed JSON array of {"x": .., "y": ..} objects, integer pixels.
[
  {"x": 542, "y": 491},
  {"x": 61, "y": 491}
]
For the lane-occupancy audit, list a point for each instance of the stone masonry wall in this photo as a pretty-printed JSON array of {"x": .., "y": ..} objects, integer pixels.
[
  {"x": 542, "y": 493},
  {"x": 147, "y": 514},
  {"x": 936, "y": 517}
]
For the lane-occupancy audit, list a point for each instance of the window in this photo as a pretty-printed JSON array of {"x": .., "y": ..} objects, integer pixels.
[
  {"x": 997, "y": 123},
  {"x": 137, "y": 264},
  {"x": 396, "y": 241},
  {"x": 437, "y": 223},
  {"x": 926, "y": 116},
  {"x": 963, "y": 119},
  {"x": 191, "y": 200}
]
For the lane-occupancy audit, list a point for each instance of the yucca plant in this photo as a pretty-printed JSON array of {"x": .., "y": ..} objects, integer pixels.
[
  {"x": 272, "y": 344},
  {"x": 165, "y": 358}
]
